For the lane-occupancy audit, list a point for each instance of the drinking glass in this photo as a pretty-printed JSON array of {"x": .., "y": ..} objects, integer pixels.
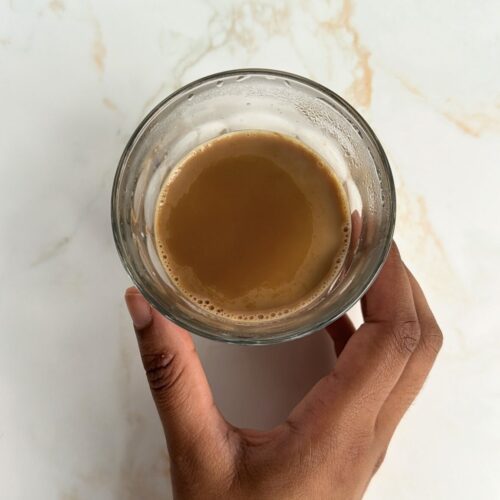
[{"x": 254, "y": 99}]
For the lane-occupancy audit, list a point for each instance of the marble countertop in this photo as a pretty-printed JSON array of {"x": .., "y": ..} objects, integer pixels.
[{"x": 76, "y": 418}]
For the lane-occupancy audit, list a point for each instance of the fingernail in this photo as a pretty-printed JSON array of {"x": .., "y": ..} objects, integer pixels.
[{"x": 138, "y": 307}]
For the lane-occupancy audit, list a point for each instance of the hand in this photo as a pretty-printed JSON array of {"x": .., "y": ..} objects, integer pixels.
[{"x": 334, "y": 440}]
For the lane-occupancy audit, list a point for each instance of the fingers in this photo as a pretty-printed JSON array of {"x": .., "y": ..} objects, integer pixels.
[
  {"x": 356, "y": 227},
  {"x": 340, "y": 331},
  {"x": 417, "y": 368},
  {"x": 176, "y": 378},
  {"x": 374, "y": 357},
  {"x": 390, "y": 298},
  {"x": 377, "y": 353}
]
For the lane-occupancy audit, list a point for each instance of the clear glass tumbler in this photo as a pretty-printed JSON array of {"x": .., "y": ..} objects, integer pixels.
[{"x": 266, "y": 100}]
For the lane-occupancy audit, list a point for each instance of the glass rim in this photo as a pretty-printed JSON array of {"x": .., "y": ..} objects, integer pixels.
[{"x": 326, "y": 319}]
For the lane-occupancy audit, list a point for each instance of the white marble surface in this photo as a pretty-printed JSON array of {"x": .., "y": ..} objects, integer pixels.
[{"x": 76, "y": 418}]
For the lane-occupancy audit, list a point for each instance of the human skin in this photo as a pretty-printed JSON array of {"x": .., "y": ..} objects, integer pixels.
[{"x": 334, "y": 440}]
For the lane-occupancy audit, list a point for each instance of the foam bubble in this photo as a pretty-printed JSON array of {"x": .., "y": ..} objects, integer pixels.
[{"x": 274, "y": 315}]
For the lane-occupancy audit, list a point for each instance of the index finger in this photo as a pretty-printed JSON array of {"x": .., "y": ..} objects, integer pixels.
[
  {"x": 373, "y": 359},
  {"x": 416, "y": 370},
  {"x": 390, "y": 298},
  {"x": 377, "y": 353}
]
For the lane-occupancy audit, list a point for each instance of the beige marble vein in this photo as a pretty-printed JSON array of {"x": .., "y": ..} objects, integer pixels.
[
  {"x": 195, "y": 54},
  {"x": 110, "y": 104},
  {"x": 473, "y": 124},
  {"x": 237, "y": 27},
  {"x": 98, "y": 49},
  {"x": 422, "y": 242},
  {"x": 245, "y": 18},
  {"x": 57, "y": 6},
  {"x": 360, "y": 90}
]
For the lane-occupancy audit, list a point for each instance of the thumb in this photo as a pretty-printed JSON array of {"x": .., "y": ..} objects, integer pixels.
[{"x": 192, "y": 422}]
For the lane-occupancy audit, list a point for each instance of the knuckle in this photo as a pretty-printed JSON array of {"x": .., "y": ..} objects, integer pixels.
[
  {"x": 359, "y": 446},
  {"x": 293, "y": 427},
  {"x": 406, "y": 336},
  {"x": 333, "y": 377},
  {"x": 162, "y": 371}
]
